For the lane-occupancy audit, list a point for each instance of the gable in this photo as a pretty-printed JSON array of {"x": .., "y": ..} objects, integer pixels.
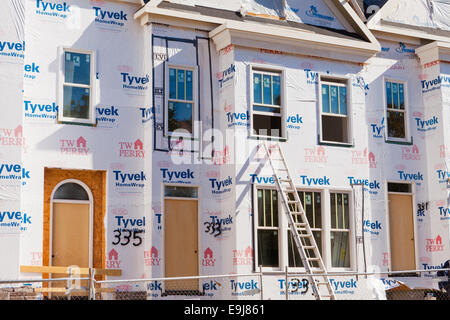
[{"x": 311, "y": 12}]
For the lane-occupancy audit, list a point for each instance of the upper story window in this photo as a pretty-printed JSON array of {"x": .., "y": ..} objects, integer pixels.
[
  {"x": 267, "y": 103},
  {"x": 78, "y": 76},
  {"x": 396, "y": 111},
  {"x": 181, "y": 101},
  {"x": 334, "y": 111}
]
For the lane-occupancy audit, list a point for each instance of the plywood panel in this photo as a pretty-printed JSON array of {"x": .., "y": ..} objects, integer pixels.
[
  {"x": 401, "y": 225},
  {"x": 181, "y": 243},
  {"x": 96, "y": 181}
]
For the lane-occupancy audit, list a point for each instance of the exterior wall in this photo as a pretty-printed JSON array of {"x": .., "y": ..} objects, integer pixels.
[{"x": 126, "y": 113}]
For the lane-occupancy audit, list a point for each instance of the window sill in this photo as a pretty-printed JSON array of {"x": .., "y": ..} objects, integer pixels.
[
  {"x": 74, "y": 123},
  {"x": 400, "y": 142},
  {"x": 336, "y": 144},
  {"x": 268, "y": 138}
]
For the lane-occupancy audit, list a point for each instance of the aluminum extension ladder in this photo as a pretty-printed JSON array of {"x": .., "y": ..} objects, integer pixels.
[{"x": 298, "y": 223}]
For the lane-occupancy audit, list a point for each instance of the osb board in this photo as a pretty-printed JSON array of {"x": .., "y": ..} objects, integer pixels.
[{"x": 96, "y": 181}]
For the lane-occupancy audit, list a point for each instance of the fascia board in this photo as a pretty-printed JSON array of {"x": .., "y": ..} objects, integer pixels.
[
  {"x": 403, "y": 30},
  {"x": 355, "y": 20},
  {"x": 252, "y": 29},
  {"x": 292, "y": 41}
]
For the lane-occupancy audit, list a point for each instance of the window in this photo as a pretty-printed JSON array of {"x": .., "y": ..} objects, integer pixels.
[
  {"x": 181, "y": 101},
  {"x": 77, "y": 87},
  {"x": 267, "y": 115},
  {"x": 328, "y": 215},
  {"x": 340, "y": 230},
  {"x": 334, "y": 111},
  {"x": 313, "y": 208},
  {"x": 267, "y": 230},
  {"x": 183, "y": 192},
  {"x": 395, "y": 110}
]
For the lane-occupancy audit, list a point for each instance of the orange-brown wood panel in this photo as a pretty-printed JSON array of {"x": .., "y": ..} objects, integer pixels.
[
  {"x": 181, "y": 243},
  {"x": 96, "y": 181},
  {"x": 401, "y": 225}
]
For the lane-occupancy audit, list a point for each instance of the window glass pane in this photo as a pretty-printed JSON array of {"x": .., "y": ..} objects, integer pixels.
[
  {"x": 268, "y": 208},
  {"x": 325, "y": 98},
  {"x": 395, "y": 95},
  {"x": 71, "y": 191},
  {"x": 396, "y": 124},
  {"x": 183, "y": 192},
  {"x": 189, "y": 85},
  {"x": 308, "y": 206},
  {"x": 76, "y": 102},
  {"x": 399, "y": 187},
  {"x": 388, "y": 95},
  {"x": 334, "y": 102},
  {"x": 275, "y": 208},
  {"x": 172, "y": 83},
  {"x": 267, "y": 125},
  {"x": 181, "y": 85},
  {"x": 180, "y": 116},
  {"x": 267, "y": 89},
  {"x": 260, "y": 207},
  {"x": 340, "y": 212},
  {"x": 340, "y": 253},
  {"x": 333, "y": 210},
  {"x": 268, "y": 248},
  {"x": 335, "y": 129},
  {"x": 266, "y": 109},
  {"x": 318, "y": 209},
  {"x": 293, "y": 254},
  {"x": 401, "y": 94},
  {"x": 257, "y": 88},
  {"x": 346, "y": 211},
  {"x": 77, "y": 68},
  {"x": 342, "y": 100},
  {"x": 276, "y": 90}
]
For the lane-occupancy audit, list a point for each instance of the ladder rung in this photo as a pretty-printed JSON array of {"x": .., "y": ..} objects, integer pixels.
[
  {"x": 305, "y": 235},
  {"x": 313, "y": 259},
  {"x": 308, "y": 247},
  {"x": 293, "y": 201},
  {"x": 299, "y": 224}
]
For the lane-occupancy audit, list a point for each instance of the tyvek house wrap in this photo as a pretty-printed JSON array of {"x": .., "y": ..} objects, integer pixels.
[
  {"x": 12, "y": 141},
  {"x": 223, "y": 94},
  {"x": 119, "y": 143},
  {"x": 424, "y": 13}
]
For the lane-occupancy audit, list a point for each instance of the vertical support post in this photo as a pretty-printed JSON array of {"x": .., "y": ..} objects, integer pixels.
[
  {"x": 260, "y": 281},
  {"x": 92, "y": 286},
  {"x": 90, "y": 282},
  {"x": 286, "y": 283}
]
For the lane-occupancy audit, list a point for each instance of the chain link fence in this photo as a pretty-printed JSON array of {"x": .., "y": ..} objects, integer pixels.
[
  {"x": 405, "y": 285},
  {"x": 45, "y": 289}
]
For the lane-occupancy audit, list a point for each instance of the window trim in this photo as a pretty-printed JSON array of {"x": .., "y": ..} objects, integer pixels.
[
  {"x": 272, "y": 70},
  {"x": 408, "y": 138},
  {"x": 349, "y": 116},
  {"x": 256, "y": 228},
  {"x": 92, "y": 87},
  {"x": 194, "y": 70}
]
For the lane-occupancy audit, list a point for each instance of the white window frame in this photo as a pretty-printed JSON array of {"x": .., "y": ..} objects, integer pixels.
[
  {"x": 349, "y": 117},
  {"x": 264, "y": 69},
  {"x": 194, "y": 70},
  {"x": 92, "y": 88},
  {"x": 257, "y": 227},
  {"x": 351, "y": 238},
  {"x": 405, "y": 111},
  {"x": 283, "y": 228}
]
